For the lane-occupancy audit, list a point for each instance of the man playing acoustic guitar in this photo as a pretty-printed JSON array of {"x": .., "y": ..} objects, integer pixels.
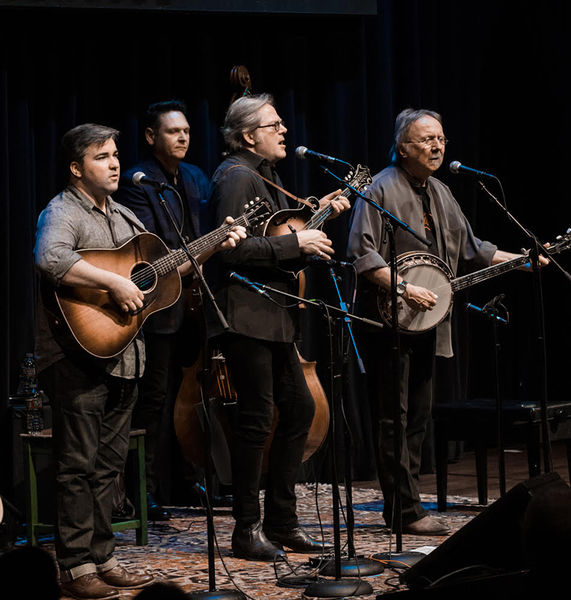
[{"x": 92, "y": 398}]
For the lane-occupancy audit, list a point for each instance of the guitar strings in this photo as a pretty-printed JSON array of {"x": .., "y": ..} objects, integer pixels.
[{"x": 175, "y": 258}]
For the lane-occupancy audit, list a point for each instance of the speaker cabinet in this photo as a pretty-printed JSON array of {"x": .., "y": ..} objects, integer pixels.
[{"x": 491, "y": 540}]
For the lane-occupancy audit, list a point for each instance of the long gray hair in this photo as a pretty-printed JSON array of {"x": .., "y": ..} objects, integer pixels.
[
  {"x": 242, "y": 117},
  {"x": 403, "y": 123}
]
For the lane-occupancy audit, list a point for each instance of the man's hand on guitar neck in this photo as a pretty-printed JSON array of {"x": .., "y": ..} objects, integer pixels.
[
  {"x": 337, "y": 202},
  {"x": 234, "y": 237}
]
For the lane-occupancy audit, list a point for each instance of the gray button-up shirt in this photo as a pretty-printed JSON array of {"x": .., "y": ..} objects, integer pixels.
[
  {"x": 69, "y": 223},
  {"x": 457, "y": 244}
]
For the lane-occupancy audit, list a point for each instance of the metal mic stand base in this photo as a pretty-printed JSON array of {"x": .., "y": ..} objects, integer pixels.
[
  {"x": 218, "y": 595},
  {"x": 338, "y": 588},
  {"x": 357, "y": 566}
]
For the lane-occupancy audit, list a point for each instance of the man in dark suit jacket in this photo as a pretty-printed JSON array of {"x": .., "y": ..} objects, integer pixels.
[{"x": 167, "y": 134}]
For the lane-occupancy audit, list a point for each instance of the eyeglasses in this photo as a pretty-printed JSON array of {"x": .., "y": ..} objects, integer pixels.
[
  {"x": 429, "y": 141},
  {"x": 275, "y": 125}
]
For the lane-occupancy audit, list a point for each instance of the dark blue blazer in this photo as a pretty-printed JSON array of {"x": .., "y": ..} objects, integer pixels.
[{"x": 144, "y": 201}]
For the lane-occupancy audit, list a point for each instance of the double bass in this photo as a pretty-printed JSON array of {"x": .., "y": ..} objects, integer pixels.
[{"x": 206, "y": 389}]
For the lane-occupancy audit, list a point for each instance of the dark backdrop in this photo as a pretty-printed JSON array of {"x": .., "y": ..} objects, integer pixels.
[{"x": 497, "y": 74}]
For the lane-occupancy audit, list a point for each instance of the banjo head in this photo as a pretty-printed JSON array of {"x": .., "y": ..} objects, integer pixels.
[{"x": 424, "y": 270}]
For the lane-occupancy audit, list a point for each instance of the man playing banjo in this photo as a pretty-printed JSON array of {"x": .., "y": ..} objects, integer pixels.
[{"x": 408, "y": 190}]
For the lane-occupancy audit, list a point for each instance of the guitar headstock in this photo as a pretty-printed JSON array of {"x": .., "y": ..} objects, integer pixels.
[
  {"x": 256, "y": 212},
  {"x": 359, "y": 178}
]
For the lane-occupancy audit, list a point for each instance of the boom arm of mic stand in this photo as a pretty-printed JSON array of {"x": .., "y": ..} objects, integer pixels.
[
  {"x": 534, "y": 242},
  {"x": 205, "y": 287},
  {"x": 396, "y": 221},
  {"x": 317, "y": 304}
]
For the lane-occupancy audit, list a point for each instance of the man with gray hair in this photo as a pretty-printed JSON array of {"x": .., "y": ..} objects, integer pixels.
[
  {"x": 408, "y": 190},
  {"x": 259, "y": 346}
]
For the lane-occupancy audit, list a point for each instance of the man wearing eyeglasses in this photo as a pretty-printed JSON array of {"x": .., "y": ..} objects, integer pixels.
[
  {"x": 408, "y": 190},
  {"x": 259, "y": 346}
]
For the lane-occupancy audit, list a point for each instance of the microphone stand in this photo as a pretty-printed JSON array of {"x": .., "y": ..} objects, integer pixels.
[
  {"x": 212, "y": 592},
  {"x": 490, "y": 311},
  {"x": 353, "y": 565},
  {"x": 536, "y": 248},
  {"x": 337, "y": 588},
  {"x": 390, "y": 222}
]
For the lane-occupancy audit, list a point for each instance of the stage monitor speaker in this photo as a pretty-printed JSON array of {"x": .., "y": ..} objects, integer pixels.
[{"x": 491, "y": 540}]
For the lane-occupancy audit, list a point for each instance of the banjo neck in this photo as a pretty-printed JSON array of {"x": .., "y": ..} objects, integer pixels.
[{"x": 465, "y": 281}]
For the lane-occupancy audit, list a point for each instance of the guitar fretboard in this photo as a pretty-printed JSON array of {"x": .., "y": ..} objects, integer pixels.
[{"x": 174, "y": 259}]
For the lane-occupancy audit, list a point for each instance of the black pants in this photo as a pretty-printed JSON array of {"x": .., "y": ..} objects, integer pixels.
[
  {"x": 267, "y": 375},
  {"x": 166, "y": 354},
  {"x": 91, "y": 425},
  {"x": 416, "y": 366}
]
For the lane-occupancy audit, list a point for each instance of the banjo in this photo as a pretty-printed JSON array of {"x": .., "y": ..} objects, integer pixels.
[{"x": 429, "y": 271}]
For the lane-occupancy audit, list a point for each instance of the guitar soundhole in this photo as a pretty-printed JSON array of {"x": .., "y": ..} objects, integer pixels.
[{"x": 143, "y": 275}]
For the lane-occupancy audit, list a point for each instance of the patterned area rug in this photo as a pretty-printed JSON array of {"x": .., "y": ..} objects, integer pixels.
[{"x": 178, "y": 549}]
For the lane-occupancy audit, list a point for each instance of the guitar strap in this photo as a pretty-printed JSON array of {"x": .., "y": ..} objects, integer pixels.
[{"x": 273, "y": 184}]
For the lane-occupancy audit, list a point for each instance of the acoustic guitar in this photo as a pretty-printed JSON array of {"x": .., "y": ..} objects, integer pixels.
[
  {"x": 97, "y": 322},
  {"x": 429, "y": 271}
]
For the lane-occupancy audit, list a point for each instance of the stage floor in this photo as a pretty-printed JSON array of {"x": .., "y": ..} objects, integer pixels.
[{"x": 178, "y": 552}]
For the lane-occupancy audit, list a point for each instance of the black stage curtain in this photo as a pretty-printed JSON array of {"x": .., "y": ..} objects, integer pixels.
[{"x": 496, "y": 72}]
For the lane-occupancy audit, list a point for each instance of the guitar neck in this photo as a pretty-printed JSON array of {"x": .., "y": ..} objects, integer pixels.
[
  {"x": 465, "y": 281},
  {"x": 207, "y": 242},
  {"x": 323, "y": 213}
]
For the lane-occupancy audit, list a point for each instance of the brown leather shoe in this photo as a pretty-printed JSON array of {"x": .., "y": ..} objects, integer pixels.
[
  {"x": 121, "y": 578},
  {"x": 88, "y": 586},
  {"x": 426, "y": 526}
]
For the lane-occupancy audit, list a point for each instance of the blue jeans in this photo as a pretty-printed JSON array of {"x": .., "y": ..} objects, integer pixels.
[{"x": 91, "y": 425}]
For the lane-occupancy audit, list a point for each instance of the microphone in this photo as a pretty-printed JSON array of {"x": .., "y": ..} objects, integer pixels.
[
  {"x": 249, "y": 284},
  {"x": 327, "y": 262},
  {"x": 139, "y": 178},
  {"x": 494, "y": 303},
  {"x": 457, "y": 167},
  {"x": 302, "y": 153},
  {"x": 485, "y": 311}
]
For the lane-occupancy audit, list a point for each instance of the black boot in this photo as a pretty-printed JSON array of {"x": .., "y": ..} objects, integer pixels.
[
  {"x": 252, "y": 544},
  {"x": 297, "y": 540}
]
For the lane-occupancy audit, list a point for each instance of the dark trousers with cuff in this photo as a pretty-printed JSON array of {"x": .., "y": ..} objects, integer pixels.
[{"x": 91, "y": 425}]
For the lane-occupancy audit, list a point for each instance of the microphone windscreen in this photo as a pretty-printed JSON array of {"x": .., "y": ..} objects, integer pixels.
[
  {"x": 300, "y": 152},
  {"x": 455, "y": 166},
  {"x": 137, "y": 177}
]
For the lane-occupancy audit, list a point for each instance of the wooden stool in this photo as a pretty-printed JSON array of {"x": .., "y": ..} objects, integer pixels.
[
  {"x": 41, "y": 444},
  {"x": 476, "y": 421}
]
